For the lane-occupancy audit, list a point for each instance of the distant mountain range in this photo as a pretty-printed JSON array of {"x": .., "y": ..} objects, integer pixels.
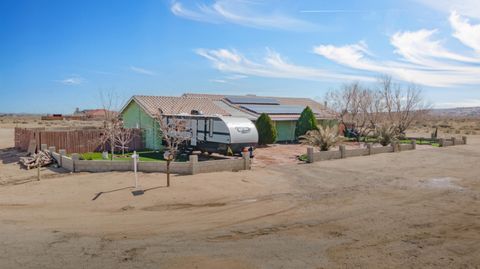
[{"x": 457, "y": 112}]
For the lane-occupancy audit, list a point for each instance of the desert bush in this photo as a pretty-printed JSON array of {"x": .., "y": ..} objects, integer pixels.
[
  {"x": 306, "y": 122},
  {"x": 267, "y": 133},
  {"x": 385, "y": 134},
  {"x": 324, "y": 138}
]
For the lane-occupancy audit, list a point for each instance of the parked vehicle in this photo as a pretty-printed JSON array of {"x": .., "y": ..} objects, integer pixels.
[{"x": 221, "y": 134}]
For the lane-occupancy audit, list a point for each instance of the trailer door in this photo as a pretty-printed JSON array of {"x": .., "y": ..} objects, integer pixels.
[{"x": 194, "y": 123}]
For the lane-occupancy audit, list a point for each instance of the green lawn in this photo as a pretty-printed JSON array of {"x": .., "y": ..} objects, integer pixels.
[
  {"x": 147, "y": 156},
  {"x": 420, "y": 142}
]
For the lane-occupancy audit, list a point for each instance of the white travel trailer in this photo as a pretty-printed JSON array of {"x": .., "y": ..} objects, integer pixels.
[{"x": 218, "y": 134}]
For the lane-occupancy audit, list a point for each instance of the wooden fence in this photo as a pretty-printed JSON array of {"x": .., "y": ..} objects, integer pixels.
[{"x": 72, "y": 140}]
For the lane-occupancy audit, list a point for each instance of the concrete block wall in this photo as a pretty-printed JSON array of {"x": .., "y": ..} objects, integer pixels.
[
  {"x": 193, "y": 166},
  {"x": 385, "y": 149},
  {"x": 152, "y": 167},
  {"x": 326, "y": 155},
  {"x": 182, "y": 168},
  {"x": 57, "y": 157},
  {"x": 67, "y": 163},
  {"x": 343, "y": 153},
  {"x": 406, "y": 147},
  {"x": 453, "y": 141},
  {"x": 357, "y": 152},
  {"x": 221, "y": 165},
  {"x": 102, "y": 166}
]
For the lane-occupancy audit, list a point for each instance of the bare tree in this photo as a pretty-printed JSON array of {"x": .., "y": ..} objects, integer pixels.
[
  {"x": 112, "y": 123},
  {"x": 403, "y": 105},
  {"x": 353, "y": 103},
  {"x": 175, "y": 131},
  {"x": 123, "y": 137}
]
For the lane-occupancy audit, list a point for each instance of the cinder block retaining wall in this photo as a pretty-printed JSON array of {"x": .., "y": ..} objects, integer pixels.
[
  {"x": 443, "y": 142},
  {"x": 193, "y": 166},
  {"x": 342, "y": 153}
]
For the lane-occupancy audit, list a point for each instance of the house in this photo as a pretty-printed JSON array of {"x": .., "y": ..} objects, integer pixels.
[
  {"x": 94, "y": 114},
  {"x": 140, "y": 111},
  {"x": 284, "y": 111}
]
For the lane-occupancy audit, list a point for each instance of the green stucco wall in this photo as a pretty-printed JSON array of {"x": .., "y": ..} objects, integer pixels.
[
  {"x": 132, "y": 115},
  {"x": 285, "y": 130}
]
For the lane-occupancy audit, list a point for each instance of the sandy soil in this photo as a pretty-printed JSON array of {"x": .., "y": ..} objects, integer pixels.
[
  {"x": 415, "y": 209},
  {"x": 37, "y": 122}
]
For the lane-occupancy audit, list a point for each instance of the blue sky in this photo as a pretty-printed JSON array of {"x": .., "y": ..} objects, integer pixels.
[{"x": 58, "y": 55}]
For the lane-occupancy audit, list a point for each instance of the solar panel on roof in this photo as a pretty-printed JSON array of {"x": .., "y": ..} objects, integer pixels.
[
  {"x": 279, "y": 109},
  {"x": 251, "y": 100}
]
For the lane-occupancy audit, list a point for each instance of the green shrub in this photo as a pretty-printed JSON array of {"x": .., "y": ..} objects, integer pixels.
[
  {"x": 303, "y": 157},
  {"x": 87, "y": 156},
  {"x": 306, "y": 122},
  {"x": 267, "y": 133}
]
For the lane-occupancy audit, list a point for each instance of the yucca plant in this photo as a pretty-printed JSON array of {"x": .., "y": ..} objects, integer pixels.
[
  {"x": 324, "y": 138},
  {"x": 385, "y": 134}
]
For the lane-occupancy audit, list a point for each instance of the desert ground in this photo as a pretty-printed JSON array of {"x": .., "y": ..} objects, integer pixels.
[{"x": 415, "y": 209}]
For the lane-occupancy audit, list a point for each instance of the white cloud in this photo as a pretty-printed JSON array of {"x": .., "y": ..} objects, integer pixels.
[
  {"x": 219, "y": 80},
  {"x": 335, "y": 11},
  {"x": 73, "y": 80},
  {"x": 241, "y": 12},
  {"x": 470, "y": 8},
  {"x": 467, "y": 33},
  {"x": 229, "y": 79},
  {"x": 273, "y": 66},
  {"x": 236, "y": 77},
  {"x": 420, "y": 48},
  {"x": 423, "y": 60},
  {"x": 142, "y": 71},
  {"x": 461, "y": 103}
]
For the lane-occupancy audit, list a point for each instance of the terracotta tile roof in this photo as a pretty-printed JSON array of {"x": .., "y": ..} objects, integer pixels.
[
  {"x": 216, "y": 97},
  {"x": 176, "y": 105},
  {"x": 323, "y": 112}
]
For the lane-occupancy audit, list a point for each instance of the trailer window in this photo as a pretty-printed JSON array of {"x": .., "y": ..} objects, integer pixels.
[{"x": 210, "y": 127}]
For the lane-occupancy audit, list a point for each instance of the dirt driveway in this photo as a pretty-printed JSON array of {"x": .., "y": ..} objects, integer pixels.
[{"x": 415, "y": 209}]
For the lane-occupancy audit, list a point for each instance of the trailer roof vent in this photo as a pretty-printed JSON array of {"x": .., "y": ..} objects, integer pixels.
[{"x": 196, "y": 112}]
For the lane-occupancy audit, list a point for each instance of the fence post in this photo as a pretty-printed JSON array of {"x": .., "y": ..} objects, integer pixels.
[
  {"x": 193, "y": 159},
  {"x": 51, "y": 149},
  {"x": 414, "y": 143},
  {"x": 44, "y": 147},
  {"x": 454, "y": 141},
  {"x": 441, "y": 142},
  {"x": 342, "y": 151},
  {"x": 369, "y": 147},
  {"x": 310, "y": 155},
  {"x": 464, "y": 138},
  {"x": 62, "y": 153},
  {"x": 246, "y": 160},
  {"x": 394, "y": 146},
  {"x": 75, "y": 159}
]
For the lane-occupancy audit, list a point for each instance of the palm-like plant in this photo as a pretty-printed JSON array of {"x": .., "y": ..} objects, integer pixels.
[
  {"x": 385, "y": 134},
  {"x": 324, "y": 138}
]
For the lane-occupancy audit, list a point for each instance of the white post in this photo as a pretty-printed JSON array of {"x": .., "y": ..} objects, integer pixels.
[{"x": 135, "y": 157}]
